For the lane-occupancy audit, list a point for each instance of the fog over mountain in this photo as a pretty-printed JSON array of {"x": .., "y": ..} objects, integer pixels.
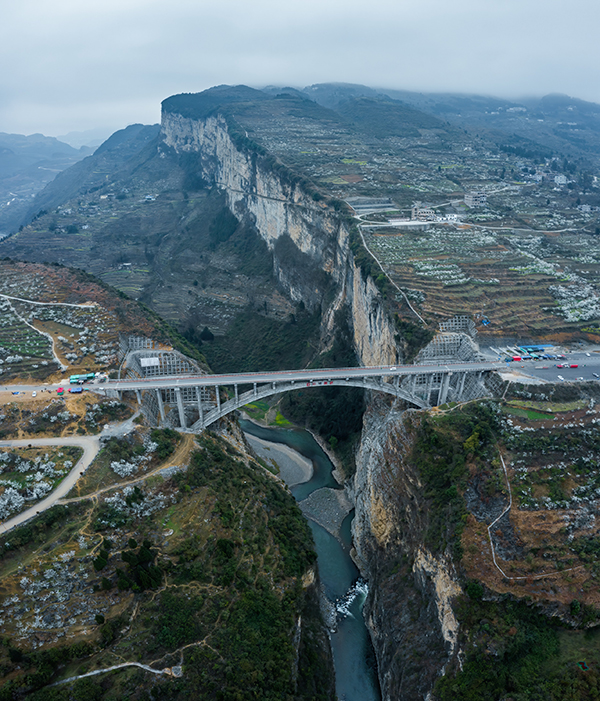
[{"x": 109, "y": 64}]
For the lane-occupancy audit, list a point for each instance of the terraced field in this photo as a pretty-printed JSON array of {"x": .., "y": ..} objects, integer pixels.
[{"x": 531, "y": 284}]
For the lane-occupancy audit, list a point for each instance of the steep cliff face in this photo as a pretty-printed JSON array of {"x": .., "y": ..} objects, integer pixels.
[
  {"x": 309, "y": 241},
  {"x": 409, "y": 609}
]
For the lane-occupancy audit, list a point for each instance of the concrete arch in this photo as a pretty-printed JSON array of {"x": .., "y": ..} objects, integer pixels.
[{"x": 260, "y": 392}]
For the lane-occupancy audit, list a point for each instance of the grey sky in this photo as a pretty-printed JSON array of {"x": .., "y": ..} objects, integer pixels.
[{"x": 73, "y": 65}]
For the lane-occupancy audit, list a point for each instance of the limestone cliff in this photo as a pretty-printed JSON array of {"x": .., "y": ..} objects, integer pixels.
[
  {"x": 309, "y": 240},
  {"x": 410, "y": 607},
  {"x": 409, "y": 610}
]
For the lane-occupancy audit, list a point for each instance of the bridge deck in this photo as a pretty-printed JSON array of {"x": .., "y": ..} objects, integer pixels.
[{"x": 249, "y": 378}]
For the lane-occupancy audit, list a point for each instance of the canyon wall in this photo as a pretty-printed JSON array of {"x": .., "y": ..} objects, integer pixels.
[
  {"x": 410, "y": 606},
  {"x": 308, "y": 239},
  {"x": 409, "y": 609}
]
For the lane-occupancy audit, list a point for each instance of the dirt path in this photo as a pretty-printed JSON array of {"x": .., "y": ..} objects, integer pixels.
[
  {"x": 91, "y": 447},
  {"x": 177, "y": 458}
]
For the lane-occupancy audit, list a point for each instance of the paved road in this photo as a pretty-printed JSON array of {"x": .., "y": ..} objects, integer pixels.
[
  {"x": 90, "y": 445},
  {"x": 547, "y": 371},
  {"x": 301, "y": 376}
]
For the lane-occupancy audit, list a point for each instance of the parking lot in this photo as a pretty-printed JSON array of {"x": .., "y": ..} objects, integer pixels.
[{"x": 586, "y": 360}]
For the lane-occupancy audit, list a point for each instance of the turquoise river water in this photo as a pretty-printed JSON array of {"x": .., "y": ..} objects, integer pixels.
[{"x": 355, "y": 676}]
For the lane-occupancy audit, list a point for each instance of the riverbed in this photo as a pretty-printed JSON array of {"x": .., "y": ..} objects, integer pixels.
[{"x": 356, "y": 679}]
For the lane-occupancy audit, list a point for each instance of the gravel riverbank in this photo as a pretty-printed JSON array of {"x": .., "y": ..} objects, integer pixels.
[
  {"x": 327, "y": 507},
  {"x": 293, "y": 467}
]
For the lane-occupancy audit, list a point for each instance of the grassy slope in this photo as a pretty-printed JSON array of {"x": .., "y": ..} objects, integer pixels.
[
  {"x": 229, "y": 589},
  {"x": 512, "y": 650}
]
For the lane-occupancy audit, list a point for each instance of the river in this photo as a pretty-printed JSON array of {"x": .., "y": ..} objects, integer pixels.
[{"x": 355, "y": 676}]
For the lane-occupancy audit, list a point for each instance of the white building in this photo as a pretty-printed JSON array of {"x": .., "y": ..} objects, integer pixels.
[
  {"x": 475, "y": 199},
  {"x": 420, "y": 213},
  {"x": 560, "y": 179}
]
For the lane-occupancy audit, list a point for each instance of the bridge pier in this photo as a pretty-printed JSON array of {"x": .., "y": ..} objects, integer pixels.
[
  {"x": 428, "y": 390},
  {"x": 138, "y": 395},
  {"x": 235, "y": 387},
  {"x": 161, "y": 406},
  {"x": 200, "y": 407},
  {"x": 218, "y": 397},
  {"x": 180, "y": 408},
  {"x": 255, "y": 390},
  {"x": 444, "y": 388}
]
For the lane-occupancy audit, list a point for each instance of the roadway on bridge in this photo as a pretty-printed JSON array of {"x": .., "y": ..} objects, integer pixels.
[{"x": 300, "y": 376}]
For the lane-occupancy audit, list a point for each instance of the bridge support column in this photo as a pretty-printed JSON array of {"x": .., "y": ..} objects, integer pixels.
[
  {"x": 200, "y": 407},
  {"x": 180, "y": 408},
  {"x": 255, "y": 390},
  {"x": 138, "y": 394},
  {"x": 428, "y": 389},
  {"x": 480, "y": 380},
  {"x": 235, "y": 387},
  {"x": 161, "y": 406},
  {"x": 444, "y": 388},
  {"x": 218, "y": 396},
  {"x": 462, "y": 384}
]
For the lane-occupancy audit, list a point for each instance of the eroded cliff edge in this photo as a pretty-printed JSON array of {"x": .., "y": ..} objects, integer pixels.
[
  {"x": 309, "y": 240},
  {"x": 410, "y": 607}
]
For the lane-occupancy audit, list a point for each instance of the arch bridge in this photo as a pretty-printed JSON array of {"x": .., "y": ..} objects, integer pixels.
[{"x": 193, "y": 402}]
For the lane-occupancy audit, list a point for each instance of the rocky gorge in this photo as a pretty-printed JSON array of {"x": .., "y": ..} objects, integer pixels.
[{"x": 409, "y": 610}]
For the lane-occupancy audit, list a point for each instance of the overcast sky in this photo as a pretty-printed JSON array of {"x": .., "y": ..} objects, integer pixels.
[{"x": 71, "y": 65}]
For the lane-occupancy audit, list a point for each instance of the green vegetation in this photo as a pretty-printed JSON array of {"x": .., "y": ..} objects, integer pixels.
[
  {"x": 212, "y": 466},
  {"x": 527, "y": 413},
  {"x": 166, "y": 440},
  {"x": 412, "y": 337},
  {"x": 37, "y": 531},
  {"x": 257, "y": 410},
  {"x": 442, "y": 447},
  {"x": 141, "y": 572},
  {"x": 550, "y": 407},
  {"x": 515, "y": 652},
  {"x": 255, "y": 342},
  {"x": 281, "y": 421},
  {"x": 227, "y": 586}
]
